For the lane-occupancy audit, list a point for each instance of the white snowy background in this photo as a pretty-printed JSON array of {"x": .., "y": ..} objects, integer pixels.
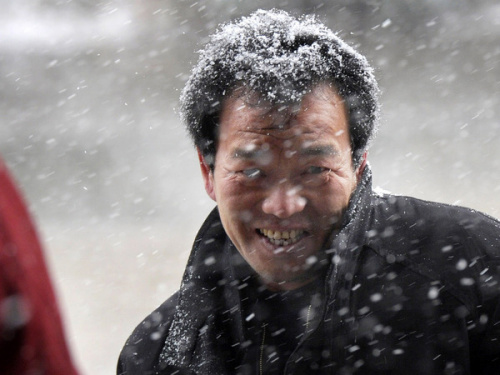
[{"x": 88, "y": 126}]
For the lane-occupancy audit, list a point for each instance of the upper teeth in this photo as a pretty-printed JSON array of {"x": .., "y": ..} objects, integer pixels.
[{"x": 279, "y": 235}]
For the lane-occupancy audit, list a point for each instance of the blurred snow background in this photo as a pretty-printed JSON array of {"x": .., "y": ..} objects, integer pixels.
[{"x": 88, "y": 126}]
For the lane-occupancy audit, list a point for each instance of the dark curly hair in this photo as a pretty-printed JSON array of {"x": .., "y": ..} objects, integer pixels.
[{"x": 282, "y": 58}]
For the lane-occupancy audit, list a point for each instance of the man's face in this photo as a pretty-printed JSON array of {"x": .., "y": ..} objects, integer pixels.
[{"x": 282, "y": 181}]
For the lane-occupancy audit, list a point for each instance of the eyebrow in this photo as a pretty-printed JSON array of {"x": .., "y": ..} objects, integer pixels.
[
  {"x": 255, "y": 153},
  {"x": 319, "y": 150},
  {"x": 246, "y": 154}
]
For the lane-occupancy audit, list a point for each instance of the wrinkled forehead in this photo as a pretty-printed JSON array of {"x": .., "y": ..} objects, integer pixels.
[{"x": 276, "y": 114}]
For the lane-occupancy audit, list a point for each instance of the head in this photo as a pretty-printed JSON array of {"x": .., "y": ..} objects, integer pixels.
[
  {"x": 281, "y": 111},
  {"x": 282, "y": 58}
]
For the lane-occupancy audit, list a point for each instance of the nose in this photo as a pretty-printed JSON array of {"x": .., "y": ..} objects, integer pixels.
[{"x": 283, "y": 201}]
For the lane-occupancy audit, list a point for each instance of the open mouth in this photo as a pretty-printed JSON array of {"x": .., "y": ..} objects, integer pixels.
[{"x": 282, "y": 238}]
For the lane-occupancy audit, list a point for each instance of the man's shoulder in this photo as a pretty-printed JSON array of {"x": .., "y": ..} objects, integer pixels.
[
  {"x": 143, "y": 347},
  {"x": 456, "y": 245},
  {"x": 406, "y": 225},
  {"x": 415, "y": 213}
]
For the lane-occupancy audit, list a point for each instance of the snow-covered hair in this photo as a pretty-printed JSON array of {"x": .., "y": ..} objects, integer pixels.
[{"x": 281, "y": 58}]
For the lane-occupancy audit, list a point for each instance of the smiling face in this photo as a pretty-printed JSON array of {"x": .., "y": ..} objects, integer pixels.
[{"x": 282, "y": 180}]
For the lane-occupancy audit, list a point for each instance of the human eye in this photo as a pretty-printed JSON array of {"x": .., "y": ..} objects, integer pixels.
[
  {"x": 315, "y": 175},
  {"x": 252, "y": 173},
  {"x": 314, "y": 169}
]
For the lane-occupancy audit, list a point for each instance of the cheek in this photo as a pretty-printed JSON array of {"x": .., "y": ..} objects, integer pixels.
[
  {"x": 333, "y": 197},
  {"x": 224, "y": 190},
  {"x": 234, "y": 193},
  {"x": 237, "y": 204}
]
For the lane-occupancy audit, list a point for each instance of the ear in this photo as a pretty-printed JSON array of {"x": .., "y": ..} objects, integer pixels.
[
  {"x": 361, "y": 167},
  {"x": 208, "y": 176}
]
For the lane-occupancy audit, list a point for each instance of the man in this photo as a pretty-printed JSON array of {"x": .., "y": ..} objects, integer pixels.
[
  {"x": 31, "y": 331},
  {"x": 302, "y": 268}
]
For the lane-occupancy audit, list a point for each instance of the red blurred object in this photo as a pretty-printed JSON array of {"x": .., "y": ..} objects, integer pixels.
[{"x": 31, "y": 331}]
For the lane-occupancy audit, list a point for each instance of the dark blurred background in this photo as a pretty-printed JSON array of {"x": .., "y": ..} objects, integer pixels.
[{"x": 88, "y": 96}]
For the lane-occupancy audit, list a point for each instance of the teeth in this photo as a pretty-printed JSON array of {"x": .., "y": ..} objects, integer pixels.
[{"x": 282, "y": 238}]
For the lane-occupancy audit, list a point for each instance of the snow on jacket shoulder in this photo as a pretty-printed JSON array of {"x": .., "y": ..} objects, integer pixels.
[{"x": 142, "y": 349}]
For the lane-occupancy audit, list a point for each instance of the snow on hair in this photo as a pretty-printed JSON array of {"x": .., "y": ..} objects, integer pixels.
[{"x": 280, "y": 57}]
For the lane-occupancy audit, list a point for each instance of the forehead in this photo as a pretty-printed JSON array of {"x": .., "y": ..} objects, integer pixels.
[{"x": 320, "y": 115}]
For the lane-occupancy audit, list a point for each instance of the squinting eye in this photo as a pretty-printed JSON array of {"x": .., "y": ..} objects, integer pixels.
[
  {"x": 316, "y": 170},
  {"x": 252, "y": 172}
]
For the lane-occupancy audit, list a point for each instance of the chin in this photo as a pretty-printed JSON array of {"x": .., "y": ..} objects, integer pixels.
[{"x": 287, "y": 281}]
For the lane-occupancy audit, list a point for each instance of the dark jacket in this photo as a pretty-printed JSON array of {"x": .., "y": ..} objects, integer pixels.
[{"x": 413, "y": 288}]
